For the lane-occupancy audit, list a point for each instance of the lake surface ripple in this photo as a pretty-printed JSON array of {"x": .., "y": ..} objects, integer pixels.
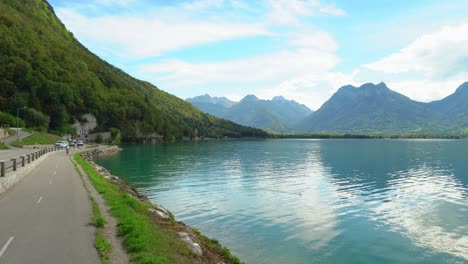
[{"x": 313, "y": 201}]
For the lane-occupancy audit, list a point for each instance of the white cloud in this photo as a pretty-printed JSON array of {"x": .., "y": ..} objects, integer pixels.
[
  {"x": 438, "y": 55},
  {"x": 312, "y": 89},
  {"x": 291, "y": 11},
  {"x": 144, "y": 37},
  {"x": 427, "y": 90},
  {"x": 331, "y": 9},
  {"x": 203, "y": 4},
  {"x": 429, "y": 68},
  {"x": 303, "y": 73},
  {"x": 298, "y": 68},
  {"x": 270, "y": 67}
]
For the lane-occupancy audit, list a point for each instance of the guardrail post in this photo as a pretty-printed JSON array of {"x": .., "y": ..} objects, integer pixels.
[
  {"x": 35, "y": 154},
  {"x": 14, "y": 164},
  {"x": 22, "y": 160},
  {"x": 2, "y": 168},
  {"x": 29, "y": 158}
]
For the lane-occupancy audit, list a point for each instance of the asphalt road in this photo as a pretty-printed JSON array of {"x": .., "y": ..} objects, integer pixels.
[
  {"x": 7, "y": 154},
  {"x": 45, "y": 218},
  {"x": 7, "y": 141}
]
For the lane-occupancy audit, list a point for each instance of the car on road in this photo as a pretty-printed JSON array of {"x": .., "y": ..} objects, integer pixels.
[
  {"x": 79, "y": 143},
  {"x": 61, "y": 144}
]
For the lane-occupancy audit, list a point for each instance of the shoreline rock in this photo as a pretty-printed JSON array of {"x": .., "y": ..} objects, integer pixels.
[{"x": 158, "y": 212}]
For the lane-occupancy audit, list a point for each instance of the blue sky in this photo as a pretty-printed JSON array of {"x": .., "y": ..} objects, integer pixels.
[{"x": 301, "y": 49}]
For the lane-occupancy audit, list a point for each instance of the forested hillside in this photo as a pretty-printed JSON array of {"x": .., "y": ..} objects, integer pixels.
[
  {"x": 375, "y": 109},
  {"x": 43, "y": 67}
]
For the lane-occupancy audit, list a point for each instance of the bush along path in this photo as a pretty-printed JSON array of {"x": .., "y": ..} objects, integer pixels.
[{"x": 148, "y": 232}]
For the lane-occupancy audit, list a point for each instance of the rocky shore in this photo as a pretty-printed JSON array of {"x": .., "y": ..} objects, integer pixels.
[{"x": 200, "y": 246}]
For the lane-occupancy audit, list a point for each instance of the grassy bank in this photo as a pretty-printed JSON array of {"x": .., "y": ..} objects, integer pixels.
[
  {"x": 145, "y": 238},
  {"x": 2, "y": 146},
  {"x": 39, "y": 138},
  {"x": 102, "y": 246}
]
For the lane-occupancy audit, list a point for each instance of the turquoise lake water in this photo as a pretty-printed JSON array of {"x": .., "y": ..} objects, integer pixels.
[{"x": 313, "y": 201}]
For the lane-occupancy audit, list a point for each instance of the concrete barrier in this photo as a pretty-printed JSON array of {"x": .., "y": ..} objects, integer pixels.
[{"x": 13, "y": 177}]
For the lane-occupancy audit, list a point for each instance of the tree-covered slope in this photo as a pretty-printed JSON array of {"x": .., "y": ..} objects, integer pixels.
[
  {"x": 43, "y": 67},
  {"x": 374, "y": 109},
  {"x": 454, "y": 108},
  {"x": 276, "y": 115}
]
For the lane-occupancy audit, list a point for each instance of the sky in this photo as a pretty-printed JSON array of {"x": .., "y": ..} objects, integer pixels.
[{"x": 304, "y": 50}]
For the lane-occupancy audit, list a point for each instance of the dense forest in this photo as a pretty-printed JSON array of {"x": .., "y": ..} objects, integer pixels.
[{"x": 44, "y": 68}]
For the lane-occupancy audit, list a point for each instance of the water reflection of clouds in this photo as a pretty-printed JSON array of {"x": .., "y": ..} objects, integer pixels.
[
  {"x": 418, "y": 205},
  {"x": 321, "y": 195},
  {"x": 302, "y": 192}
]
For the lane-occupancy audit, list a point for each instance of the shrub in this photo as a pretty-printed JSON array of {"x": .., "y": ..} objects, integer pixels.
[
  {"x": 36, "y": 119},
  {"x": 10, "y": 120}
]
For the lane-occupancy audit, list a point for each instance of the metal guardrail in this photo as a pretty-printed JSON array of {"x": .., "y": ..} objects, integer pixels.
[{"x": 14, "y": 163}]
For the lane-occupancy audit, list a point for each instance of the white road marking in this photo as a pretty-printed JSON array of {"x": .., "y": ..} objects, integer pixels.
[
  {"x": 4, "y": 248},
  {"x": 40, "y": 199}
]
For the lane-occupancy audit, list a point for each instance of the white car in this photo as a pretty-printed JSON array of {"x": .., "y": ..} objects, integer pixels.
[{"x": 61, "y": 144}]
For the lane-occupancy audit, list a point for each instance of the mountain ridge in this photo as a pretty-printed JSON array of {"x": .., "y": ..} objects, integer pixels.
[
  {"x": 43, "y": 67},
  {"x": 275, "y": 115},
  {"x": 375, "y": 108}
]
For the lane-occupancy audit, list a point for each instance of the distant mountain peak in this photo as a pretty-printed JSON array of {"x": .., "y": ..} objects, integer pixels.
[
  {"x": 279, "y": 98},
  {"x": 206, "y": 98},
  {"x": 380, "y": 85},
  {"x": 462, "y": 88},
  {"x": 250, "y": 98}
]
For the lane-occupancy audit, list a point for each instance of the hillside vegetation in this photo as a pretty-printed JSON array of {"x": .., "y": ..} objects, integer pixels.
[
  {"x": 376, "y": 110},
  {"x": 43, "y": 67}
]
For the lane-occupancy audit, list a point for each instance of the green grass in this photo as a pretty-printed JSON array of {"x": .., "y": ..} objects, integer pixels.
[
  {"x": 144, "y": 243},
  {"x": 39, "y": 138},
  {"x": 98, "y": 220},
  {"x": 2, "y": 146},
  {"x": 103, "y": 247}
]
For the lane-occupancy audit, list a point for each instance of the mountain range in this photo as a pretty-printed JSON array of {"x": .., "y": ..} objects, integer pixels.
[
  {"x": 44, "y": 68},
  {"x": 275, "y": 115},
  {"x": 375, "y": 109},
  {"x": 369, "y": 109}
]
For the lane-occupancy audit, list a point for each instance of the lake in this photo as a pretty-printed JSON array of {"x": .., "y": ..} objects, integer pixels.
[{"x": 313, "y": 201}]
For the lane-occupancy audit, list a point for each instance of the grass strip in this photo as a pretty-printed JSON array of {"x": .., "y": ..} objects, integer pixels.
[
  {"x": 103, "y": 247},
  {"x": 39, "y": 138},
  {"x": 2, "y": 146},
  {"x": 146, "y": 241}
]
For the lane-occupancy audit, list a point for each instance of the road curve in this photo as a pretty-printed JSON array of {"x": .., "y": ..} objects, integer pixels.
[{"x": 45, "y": 218}]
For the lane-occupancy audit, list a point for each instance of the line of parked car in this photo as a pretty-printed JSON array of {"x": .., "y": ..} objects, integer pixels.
[{"x": 72, "y": 143}]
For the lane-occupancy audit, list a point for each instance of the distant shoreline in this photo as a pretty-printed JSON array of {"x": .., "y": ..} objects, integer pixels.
[
  {"x": 299, "y": 136},
  {"x": 357, "y": 136}
]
